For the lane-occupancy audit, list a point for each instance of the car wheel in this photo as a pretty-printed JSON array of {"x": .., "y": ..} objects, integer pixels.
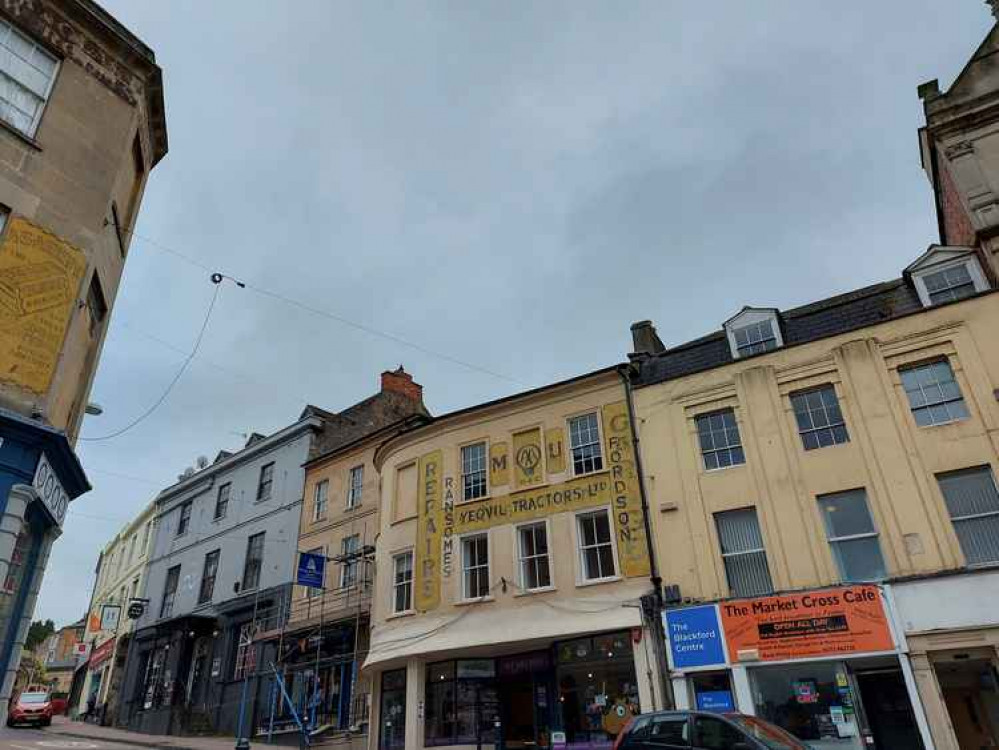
[{"x": 46, "y": 722}]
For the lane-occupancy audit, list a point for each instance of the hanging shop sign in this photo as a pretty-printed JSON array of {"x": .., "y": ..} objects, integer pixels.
[
  {"x": 311, "y": 569},
  {"x": 102, "y": 653},
  {"x": 441, "y": 516},
  {"x": 110, "y": 617},
  {"x": 828, "y": 622}
]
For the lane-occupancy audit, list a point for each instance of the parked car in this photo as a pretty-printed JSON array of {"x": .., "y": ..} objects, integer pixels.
[
  {"x": 30, "y": 708},
  {"x": 698, "y": 730},
  {"x": 60, "y": 702}
]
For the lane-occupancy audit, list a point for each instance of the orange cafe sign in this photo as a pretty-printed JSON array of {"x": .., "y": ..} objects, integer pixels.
[{"x": 845, "y": 620}]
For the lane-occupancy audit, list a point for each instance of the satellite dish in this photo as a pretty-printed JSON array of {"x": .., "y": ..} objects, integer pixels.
[
  {"x": 188, "y": 472},
  {"x": 202, "y": 462}
]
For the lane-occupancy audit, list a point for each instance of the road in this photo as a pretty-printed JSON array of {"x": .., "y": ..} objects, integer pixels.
[{"x": 39, "y": 739}]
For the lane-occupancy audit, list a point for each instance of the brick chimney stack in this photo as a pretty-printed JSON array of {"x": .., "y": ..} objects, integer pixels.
[{"x": 401, "y": 381}]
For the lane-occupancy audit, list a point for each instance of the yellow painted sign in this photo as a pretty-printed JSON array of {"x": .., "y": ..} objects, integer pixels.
[
  {"x": 428, "y": 532},
  {"x": 528, "y": 460},
  {"x": 632, "y": 548},
  {"x": 555, "y": 450},
  {"x": 499, "y": 465},
  {"x": 40, "y": 279},
  {"x": 442, "y": 517}
]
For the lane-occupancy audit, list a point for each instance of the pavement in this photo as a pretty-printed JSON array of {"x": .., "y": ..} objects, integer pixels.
[{"x": 75, "y": 735}]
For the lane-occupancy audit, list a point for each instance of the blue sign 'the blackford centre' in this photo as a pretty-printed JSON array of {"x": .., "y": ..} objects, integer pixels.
[{"x": 695, "y": 639}]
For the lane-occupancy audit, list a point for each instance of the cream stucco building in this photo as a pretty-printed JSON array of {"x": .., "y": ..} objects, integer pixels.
[
  {"x": 512, "y": 564},
  {"x": 121, "y": 574}
]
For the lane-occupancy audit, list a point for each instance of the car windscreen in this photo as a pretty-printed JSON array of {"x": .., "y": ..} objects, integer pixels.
[
  {"x": 33, "y": 698},
  {"x": 772, "y": 736}
]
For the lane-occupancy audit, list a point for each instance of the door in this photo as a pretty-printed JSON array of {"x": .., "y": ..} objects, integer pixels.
[
  {"x": 888, "y": 710},
  {"x": 517, "y": 702},
  {"x": 969, "y": 690}
]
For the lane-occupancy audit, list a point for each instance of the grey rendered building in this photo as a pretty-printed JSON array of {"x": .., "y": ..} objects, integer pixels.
[{"x": 223, "y": 547}]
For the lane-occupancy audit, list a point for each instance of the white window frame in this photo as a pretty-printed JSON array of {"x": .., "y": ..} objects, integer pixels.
[
  {"x": 968, "y": 260},
  {"x": 187, "y": 505},
  {"x": 581, "y": 579},
  {"x": 489, "y": 562},
  {"x": 570, "y": 459},
  {"x": 354, "y": 500},
  {"x": 216, "y": 516},
  {"x": 919, "y": 364},
  {"x": 834, "y": 541},
  {"x": 461, "y": 464},
  {"x": 36, "y": 121},
  {"x": 714, "y": 450},
  {"x": 971, "y": 517},
  {"x": 749, "y": 316},
  {"x": 518, "y": 556},
  {"x": 740, "y": 553},
  {"x": 345, "y": 566},
  {"x": 319, "y": 514},
  {"x": 409, "y": 583}
]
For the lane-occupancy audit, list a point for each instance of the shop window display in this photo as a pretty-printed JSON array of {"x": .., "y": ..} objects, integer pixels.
[
  {"x": 815, "y": 702},
  {"x": 393, "y": 711},
  {"x": 462, "y": 704},
  {"x": 597, "y": 689}
]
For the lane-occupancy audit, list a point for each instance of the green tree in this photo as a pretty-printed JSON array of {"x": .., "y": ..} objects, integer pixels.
[{"x": 37, "y": 633}]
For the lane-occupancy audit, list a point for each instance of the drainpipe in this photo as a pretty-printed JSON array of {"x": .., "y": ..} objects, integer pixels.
[{"x": 624, "y": 371}]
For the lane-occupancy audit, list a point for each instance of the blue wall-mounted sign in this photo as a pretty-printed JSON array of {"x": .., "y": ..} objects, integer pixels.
[
  {"x": 715, "y": 700},
  {"x": 694, "y": 636},
  {"x": 311, "y": 569}
]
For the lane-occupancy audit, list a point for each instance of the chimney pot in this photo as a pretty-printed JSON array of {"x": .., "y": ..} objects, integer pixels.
[
  {"x": 400, "y": 381},
  {"x": 644, "y": 338}
]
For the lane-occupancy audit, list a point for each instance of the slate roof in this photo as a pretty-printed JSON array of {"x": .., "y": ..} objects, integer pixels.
[{"x": 860, "y": 308}]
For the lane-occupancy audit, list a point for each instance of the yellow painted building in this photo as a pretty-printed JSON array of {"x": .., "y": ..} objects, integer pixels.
[
  {"x": 847, "y": 442},
  {"x": 512, "y": 562}
]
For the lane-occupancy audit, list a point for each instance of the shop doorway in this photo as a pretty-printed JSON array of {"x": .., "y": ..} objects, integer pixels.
[
  {"x": 888, "y": 710},
  {"x": 970, "y": 691}
]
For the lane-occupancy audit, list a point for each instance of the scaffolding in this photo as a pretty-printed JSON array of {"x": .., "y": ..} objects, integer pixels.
[{"x": 321, "y": 639}]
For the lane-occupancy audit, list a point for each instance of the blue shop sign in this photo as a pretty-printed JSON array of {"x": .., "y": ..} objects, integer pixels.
[
  {"x": 311, "y": 569},
  {"x": 694, "y": 636},
  {"x": 715, "y": 700}
]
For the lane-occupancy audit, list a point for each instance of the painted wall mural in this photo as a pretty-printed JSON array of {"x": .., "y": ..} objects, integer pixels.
[
  {"x": 442, "y": 516},
  {"x": 40, "y": 277}
]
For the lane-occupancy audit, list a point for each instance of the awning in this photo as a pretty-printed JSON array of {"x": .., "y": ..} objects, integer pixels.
[{"x": 478, "y": 628}]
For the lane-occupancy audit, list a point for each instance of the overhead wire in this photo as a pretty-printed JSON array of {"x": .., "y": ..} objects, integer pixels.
[{"x": 166, "y": 392}]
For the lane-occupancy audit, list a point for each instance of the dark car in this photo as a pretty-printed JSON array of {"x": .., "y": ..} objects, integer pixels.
[
  {"x": 697, "y": 730},
  {"x": 31, "y": 708}
]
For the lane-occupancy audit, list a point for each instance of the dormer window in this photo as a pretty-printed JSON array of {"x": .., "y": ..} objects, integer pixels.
[
  {"x": 753, "y": 331},
  {"x": 946, "y": 274}
]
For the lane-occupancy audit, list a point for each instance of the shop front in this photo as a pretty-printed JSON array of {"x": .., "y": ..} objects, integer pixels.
[
  {"x": 822, "y": 664},
  {"x": 573, "y": 694},
  {"x": 951, "y": 627}
]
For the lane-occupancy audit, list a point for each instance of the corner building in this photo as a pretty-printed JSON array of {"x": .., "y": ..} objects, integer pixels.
[
  {"x": 513, "y": 561},
  {"x": 82, "y": 124}
]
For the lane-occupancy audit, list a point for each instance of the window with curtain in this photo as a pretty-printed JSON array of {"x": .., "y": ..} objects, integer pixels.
[
  {"x": 743, "y": 553},
  {"x": 27, "y": 72},
  {"x": 933, "y": 393},
  {"x": 973, "y": 503},
  {"x": 852, "y": 536}
]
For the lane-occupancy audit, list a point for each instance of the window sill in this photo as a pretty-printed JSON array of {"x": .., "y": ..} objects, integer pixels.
[
  {"x": 21, "y": 136},
  {"x": 948, "y": 423},
  {"x": 400, "y": 615},
  {"x": 532, "y": 592},
  {"x": 598, "y": 581},
  {"x": 477, "y": 600},
  {"x": 349, "y": 508},
  {"x": 218, "y": 518},
  {"x": 583, "y": 475},
  {"x": 724, "y": 468},
  {"x": 321, "y": 519}
]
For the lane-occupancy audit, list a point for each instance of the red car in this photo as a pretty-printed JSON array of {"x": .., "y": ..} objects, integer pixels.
[{"x": 31, "y": 708}]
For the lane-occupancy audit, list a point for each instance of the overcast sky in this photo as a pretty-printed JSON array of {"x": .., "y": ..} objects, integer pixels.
[{"x": 510, "y": 184}]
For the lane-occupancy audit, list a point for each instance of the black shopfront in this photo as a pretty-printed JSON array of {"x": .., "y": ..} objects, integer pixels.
[{"x": 575, "y": 694}]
